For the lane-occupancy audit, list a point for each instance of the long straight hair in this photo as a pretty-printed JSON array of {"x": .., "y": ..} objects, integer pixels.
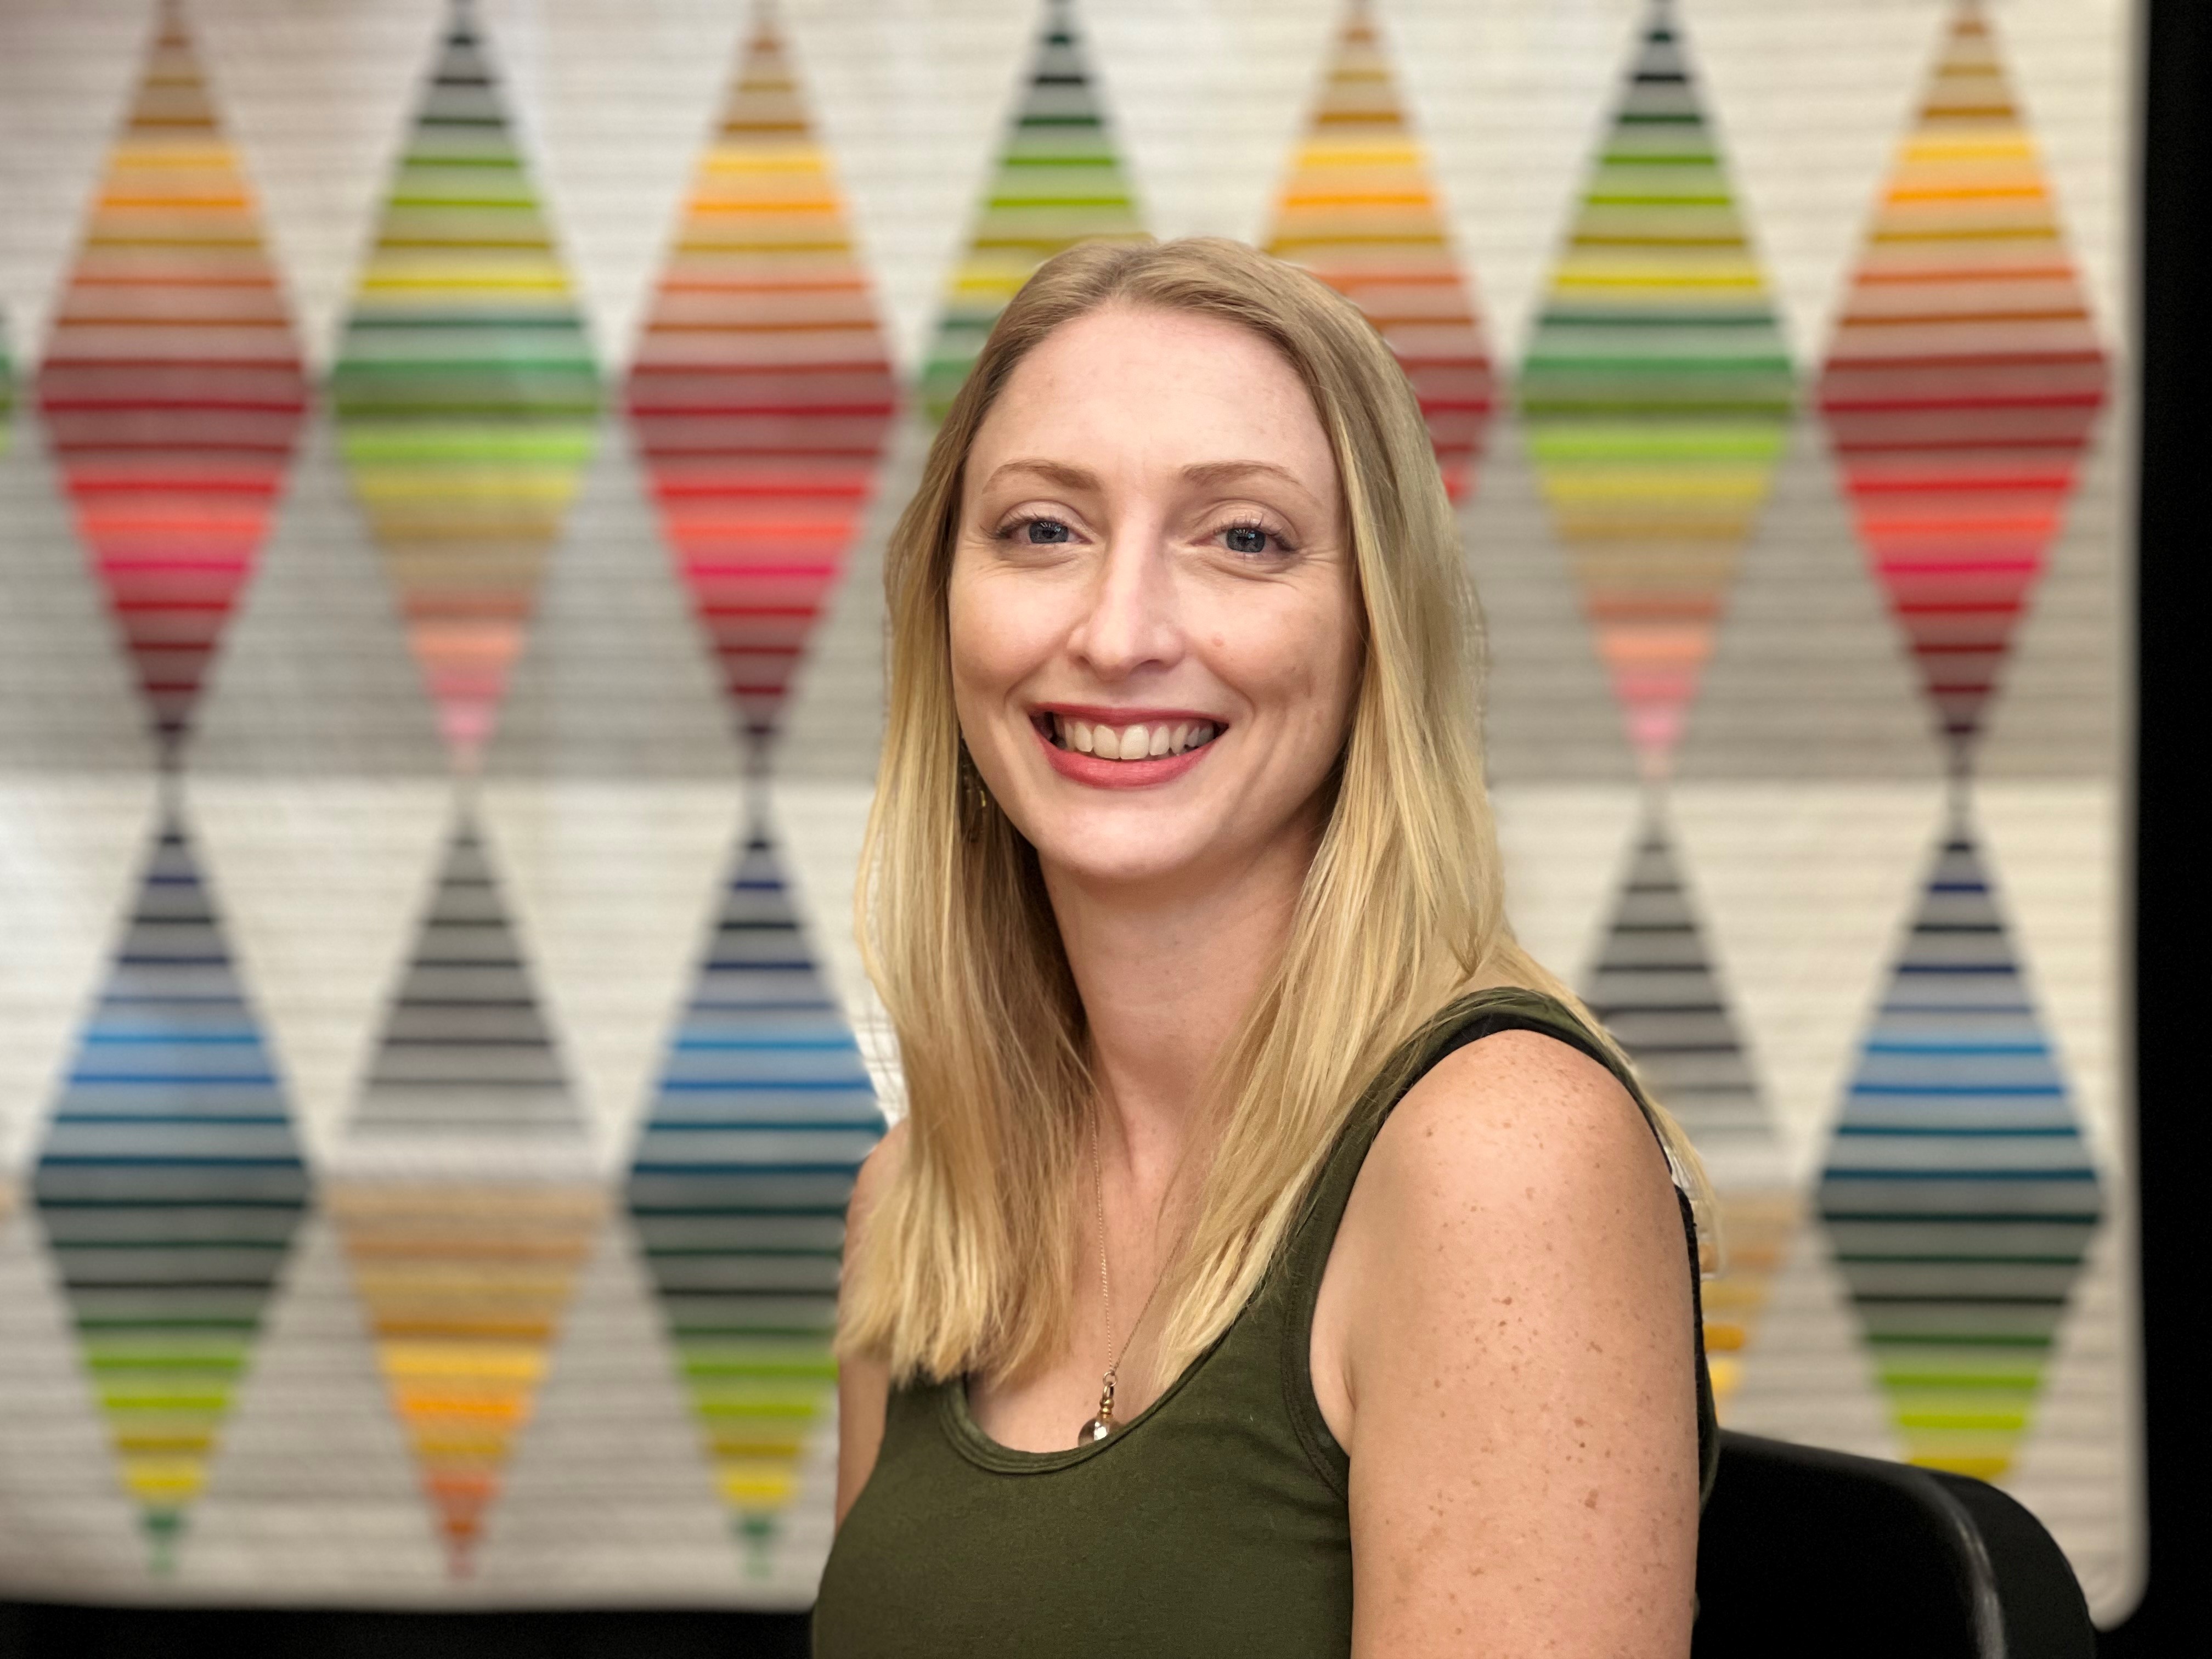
[{"x": 969, "y": 1263}]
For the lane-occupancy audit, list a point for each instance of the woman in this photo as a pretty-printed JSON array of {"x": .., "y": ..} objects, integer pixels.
[{"x": 1271, "y": 1259}]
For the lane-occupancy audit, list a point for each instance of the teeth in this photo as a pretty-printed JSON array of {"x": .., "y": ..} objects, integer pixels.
[{"x": 1131, "y": 741}]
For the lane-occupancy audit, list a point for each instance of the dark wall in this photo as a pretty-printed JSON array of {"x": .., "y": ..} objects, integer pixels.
[{"x": 2171, "y": 912}]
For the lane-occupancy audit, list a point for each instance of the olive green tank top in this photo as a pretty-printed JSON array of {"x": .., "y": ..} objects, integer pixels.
[{"x": 1214, "y": 1522}]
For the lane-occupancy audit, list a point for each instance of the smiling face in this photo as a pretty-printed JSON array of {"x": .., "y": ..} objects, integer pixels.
[{"x": 1155, "y": 624}]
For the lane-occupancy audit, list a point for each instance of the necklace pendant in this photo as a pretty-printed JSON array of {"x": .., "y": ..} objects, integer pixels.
[{"x": 1102, "y": 1424}]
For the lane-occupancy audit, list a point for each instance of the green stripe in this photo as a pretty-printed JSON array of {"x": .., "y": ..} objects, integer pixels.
[
  {"x": 1592, "y": 440},
  {"x": 416, "y": 442}
]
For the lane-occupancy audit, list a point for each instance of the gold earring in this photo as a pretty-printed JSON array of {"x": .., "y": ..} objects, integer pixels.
[{"x": 974, "y": 798}]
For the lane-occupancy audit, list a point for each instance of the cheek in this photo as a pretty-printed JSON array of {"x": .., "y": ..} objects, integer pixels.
[
  {"x": 993, "y": 640},
  {"x": 1299, "y": 658}
]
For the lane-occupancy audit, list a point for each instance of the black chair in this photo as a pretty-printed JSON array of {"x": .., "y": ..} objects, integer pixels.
[{"x": 1805, "y": 1552}]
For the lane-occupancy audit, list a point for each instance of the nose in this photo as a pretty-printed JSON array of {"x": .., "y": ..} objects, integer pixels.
[{"x": 1131, "y": 622}]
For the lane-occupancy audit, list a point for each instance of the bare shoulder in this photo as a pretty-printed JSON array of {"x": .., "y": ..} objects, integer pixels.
[
  {"x": 1518, "y": 1118},
  {"x": 1518, "y": 1171},
  {"x": 1517, "y": 1168},
  {"x": 1503, "y": 1346}
]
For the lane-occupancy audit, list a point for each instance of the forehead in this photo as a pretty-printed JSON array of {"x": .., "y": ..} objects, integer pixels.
[{"x": 1125, "y": 388}]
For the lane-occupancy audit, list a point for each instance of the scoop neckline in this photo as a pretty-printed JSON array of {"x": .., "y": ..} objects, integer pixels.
[
  {"x": 968, "y": 1435},
  {"x": 978, "y": 1448}
]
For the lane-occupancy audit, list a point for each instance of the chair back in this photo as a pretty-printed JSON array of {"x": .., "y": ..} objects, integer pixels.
[{"x": 1808, "y": 1552}]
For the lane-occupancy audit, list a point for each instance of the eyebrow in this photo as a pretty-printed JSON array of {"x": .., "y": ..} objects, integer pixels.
[
  {"x": 1220, "y": 472},
  {"x": 1059, "y": 472},
  {"x": 1198, "y": 472}
]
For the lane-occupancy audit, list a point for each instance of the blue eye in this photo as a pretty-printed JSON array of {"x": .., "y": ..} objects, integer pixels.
[
  {"x": 1046, "y": 533},
  {"x": 1246, "y": 539}
]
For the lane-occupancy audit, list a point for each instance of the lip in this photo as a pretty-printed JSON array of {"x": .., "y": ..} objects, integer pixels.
[
  {"x": 1100, "y": 713},
  {"x": 1098, "y": 774}
]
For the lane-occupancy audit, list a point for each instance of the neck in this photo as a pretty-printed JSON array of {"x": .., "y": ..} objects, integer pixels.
[{"x": 1166, "y": 975}]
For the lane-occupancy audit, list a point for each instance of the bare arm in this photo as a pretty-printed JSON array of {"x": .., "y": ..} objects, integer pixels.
[
  {"x": 1504, "y": 1346},
  {"x": 863, "y": 1382}
]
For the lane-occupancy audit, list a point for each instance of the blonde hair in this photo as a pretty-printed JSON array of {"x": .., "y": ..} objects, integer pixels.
[{"x": 968, "y": 1261}]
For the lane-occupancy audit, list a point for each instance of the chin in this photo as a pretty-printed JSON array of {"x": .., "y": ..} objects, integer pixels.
[{"x": 1122, "y": 855}]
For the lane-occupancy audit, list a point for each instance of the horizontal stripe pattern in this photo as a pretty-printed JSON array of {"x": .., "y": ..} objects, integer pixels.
[
  {"x": 739, "y": 1189},
  {"x": 1959, "y": 1194},
  {"x": 169, "y": 1186},
  {"x": 762, "y": 391},
  {"x": 171, "y": 388},
  {"x": 465, "y": 1282},
  {"x": 1058, "y": 181},
  {"x": 1965, "y": 379},
  {"x": 1361, "y": 212},
  {"x": 1655, "y": 991},
  {"x": 1656, "y": 392},
  {"x": 464, "y": 1048},
  {"x": 465, "y": 1286},
  {"x": 467, "y": 397}
]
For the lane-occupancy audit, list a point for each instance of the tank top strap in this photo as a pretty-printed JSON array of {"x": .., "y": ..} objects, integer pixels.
[{"x": 1306, "y": 1249}]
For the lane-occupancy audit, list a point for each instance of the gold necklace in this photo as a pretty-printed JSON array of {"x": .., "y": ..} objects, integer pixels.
[{"x": 1102, "y": 1424}]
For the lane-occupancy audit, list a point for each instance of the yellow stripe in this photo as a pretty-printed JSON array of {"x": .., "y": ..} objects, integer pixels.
[
  {"x": 164, "y": 1481},
  {"x": 171, "y": 154},
  {"x": 757, "y": 1486},
  {"x": 2016, "y": 145},
  {"x": 454, "y": 1359},
  {"x": 1739, "y": 485},
  {"x": 1359, "y": 152},
  {"x": 798, "y": 158}
]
